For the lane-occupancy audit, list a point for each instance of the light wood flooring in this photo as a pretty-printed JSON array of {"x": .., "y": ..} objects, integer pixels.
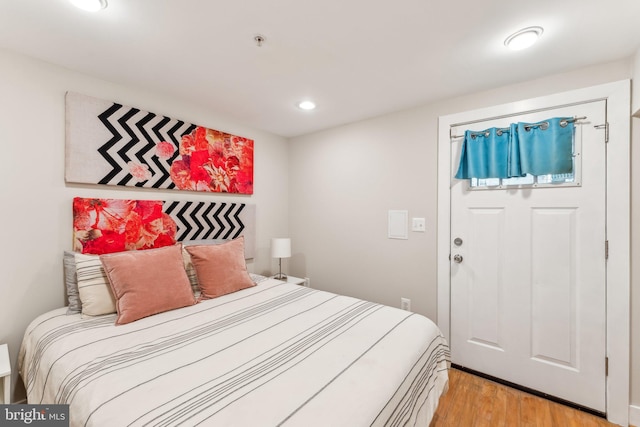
[{"x": 476, "y": 402}]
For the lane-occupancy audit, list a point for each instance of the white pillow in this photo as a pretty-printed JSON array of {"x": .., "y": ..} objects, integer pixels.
[{"x": 93, "y": 286}]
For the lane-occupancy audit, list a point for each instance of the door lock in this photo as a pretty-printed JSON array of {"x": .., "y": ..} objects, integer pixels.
[{"x": 457, "y": 258}]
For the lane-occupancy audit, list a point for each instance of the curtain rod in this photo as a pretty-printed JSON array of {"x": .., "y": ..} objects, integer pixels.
[{"x": 572, "y": 120}]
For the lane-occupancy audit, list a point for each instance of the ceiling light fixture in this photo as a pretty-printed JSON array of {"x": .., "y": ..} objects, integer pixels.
[
  {"x": 307, "y": 105},
  {"x": 90, "y": 5},
  {"x": 524, "y": 38}
]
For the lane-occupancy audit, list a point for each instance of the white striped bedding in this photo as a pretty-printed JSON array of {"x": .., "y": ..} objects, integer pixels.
[{"x": 275, "y": 354}]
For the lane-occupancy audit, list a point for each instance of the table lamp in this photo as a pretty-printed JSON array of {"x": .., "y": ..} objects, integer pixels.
[{"x": 280, "y": 248}]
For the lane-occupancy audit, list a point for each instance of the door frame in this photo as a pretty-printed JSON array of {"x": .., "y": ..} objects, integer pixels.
[{"x": 618, "y": 213}]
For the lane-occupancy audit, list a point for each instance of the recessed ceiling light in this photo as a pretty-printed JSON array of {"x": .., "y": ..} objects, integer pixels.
[
  {"x": 90, "y": 5},
  {"x": 524, "y": 38},
  {"x": 307, "y": 105}
]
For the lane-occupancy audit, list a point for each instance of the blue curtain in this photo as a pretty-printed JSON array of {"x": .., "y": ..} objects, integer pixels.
[
  {"x": 545, "y": 147},
  {"x": 523, "y": 148},
  {"x": 485, "y": 154}
]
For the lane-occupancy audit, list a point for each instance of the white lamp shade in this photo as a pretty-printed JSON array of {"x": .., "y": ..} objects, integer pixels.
[{"x": 280, "y": 247}]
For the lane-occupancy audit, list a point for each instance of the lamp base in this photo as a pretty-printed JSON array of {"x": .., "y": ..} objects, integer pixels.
[{"x": 280, "y": 276}]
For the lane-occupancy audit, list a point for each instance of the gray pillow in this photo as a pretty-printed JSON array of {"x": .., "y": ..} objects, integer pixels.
[{"x": 71, "y": 283}]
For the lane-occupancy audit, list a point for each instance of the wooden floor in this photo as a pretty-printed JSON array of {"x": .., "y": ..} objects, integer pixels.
[{"x": 476, "y": 402}]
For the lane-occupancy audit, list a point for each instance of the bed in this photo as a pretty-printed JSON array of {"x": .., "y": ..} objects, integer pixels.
[{"x": 273, "y": 354}]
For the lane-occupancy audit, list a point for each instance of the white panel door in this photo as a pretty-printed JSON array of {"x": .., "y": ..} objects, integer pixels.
[{"x": 528, "y": 271}]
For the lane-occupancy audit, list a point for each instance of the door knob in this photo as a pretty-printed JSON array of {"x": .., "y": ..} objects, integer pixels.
[{"x": 457, "y": 258}]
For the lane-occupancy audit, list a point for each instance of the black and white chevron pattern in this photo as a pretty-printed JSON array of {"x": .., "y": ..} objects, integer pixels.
[
  {"x": 205, "y": 220},
  {"x": 134, "y": 135}
]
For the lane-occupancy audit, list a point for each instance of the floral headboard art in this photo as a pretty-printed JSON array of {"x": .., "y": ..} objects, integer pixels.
[
  {"x": 112, "y": 144},
  {"x": 113, "y": 225}
]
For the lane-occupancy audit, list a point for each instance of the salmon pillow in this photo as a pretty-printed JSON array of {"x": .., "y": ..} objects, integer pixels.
[
  {"x": 147, "y": 282},
  {"x": 220, "y": 269}
]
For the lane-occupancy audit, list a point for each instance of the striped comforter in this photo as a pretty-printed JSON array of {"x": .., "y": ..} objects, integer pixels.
[{"x": 275, "y": 354}]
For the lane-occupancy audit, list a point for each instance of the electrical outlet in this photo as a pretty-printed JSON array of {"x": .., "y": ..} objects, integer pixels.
[
  {"x": 405, "y": 304},
  {"x": 307, "y": 282}
]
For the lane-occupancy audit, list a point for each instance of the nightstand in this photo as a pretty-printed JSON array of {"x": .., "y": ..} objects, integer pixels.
[
  {"x": 296, "y": 280},
  {"x": 5, "y": 373}
]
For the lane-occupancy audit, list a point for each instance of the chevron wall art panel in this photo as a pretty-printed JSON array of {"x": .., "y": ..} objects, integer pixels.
[
  {"x": 113, "y": 225},
  {"x": 112, "y": 144}
]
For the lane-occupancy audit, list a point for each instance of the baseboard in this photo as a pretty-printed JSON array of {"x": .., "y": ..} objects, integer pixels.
[{"x": 634, "y": 415}]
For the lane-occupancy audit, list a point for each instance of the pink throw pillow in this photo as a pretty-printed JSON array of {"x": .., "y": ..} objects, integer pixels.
[
  {"x": 147, "y": 282},
  {"x": 220, "y": 269}
]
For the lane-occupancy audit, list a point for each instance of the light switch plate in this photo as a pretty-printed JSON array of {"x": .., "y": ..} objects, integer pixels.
[{"x": 418, "y": 224}]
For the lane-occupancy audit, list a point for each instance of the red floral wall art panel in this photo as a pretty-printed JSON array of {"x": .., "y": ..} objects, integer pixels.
[
  {"x": 112, "y": 144},
  {"x": 112, "y": 225},
  {"x": 103, "y": 226}
]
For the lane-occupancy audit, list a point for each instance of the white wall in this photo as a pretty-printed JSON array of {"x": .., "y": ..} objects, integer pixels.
[
  {"x": 344, "y": 180},
  {"x": 36, "y": 203}
]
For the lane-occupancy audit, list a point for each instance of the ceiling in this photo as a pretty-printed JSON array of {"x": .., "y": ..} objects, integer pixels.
[{"x": 355, "y": 58}]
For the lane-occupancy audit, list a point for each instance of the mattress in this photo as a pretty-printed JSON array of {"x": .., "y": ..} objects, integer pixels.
[{"x": 276, "y": 354}]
